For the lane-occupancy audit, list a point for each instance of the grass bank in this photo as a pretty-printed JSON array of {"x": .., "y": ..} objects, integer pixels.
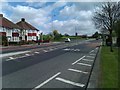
[{"x": 109, "y": 68}]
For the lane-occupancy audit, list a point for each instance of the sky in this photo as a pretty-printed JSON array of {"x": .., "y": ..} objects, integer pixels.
[{"x": 65, "y": 16}]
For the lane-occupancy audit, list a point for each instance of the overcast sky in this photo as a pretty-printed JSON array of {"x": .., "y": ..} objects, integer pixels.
[{"x": 66, "y": 17}]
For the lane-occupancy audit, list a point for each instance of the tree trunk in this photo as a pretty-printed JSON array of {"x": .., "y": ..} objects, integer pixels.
[{"x": 111, "y": 46}]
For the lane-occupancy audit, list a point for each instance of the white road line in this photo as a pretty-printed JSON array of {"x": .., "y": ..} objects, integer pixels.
[
  {"x": 70, "y": 82},
  {"x": 91, "y": 51},
  {"x": 84, "y": 64},
  {"x": 13, "y": 53},
  {"x": 27, "y": 54},
  {"x": 45, "y": 50},
  {"x": 47, "y": 81},
  {"x": 75, "y": 70},
  {"x": 78, "y": 60},
  {"x": 37, "y": 52},
  {"x": 90, "y": 56},
  {"x": 11, "y": 58},
  {"x": 87, "y": 60},
  {"x": 51, "y": 49},
  {"x": 22, "y": 56},
  {"x": 67, "y": 49},
  {"x": 96, "y": 48}
]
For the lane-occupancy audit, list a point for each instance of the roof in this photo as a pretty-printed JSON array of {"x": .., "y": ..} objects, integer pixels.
[
  {"x": 25, "y": 25},
  {"x": 7, "y": 23}
]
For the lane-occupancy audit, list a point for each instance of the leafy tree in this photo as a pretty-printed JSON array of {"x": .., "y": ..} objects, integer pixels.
[
  {"x": 56, "y": 34},
  {"x": 106, "y": 17},
  {"x": 95, "y": 35}
]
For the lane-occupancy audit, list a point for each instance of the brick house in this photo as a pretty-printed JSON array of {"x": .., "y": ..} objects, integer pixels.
[
  {"x": 9, "y": 29},
  {"x": 21, "y": 31},
  {"x": 28, "y": 32}
]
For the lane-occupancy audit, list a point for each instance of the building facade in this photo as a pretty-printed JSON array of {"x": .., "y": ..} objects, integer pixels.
[
  {"x": 28, "y": 32},
  {"x": 9, "y": 29},
  {"x": 21, "y": 31}
]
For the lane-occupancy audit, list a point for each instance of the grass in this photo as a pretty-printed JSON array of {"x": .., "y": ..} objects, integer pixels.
[{"x": 109, "y": 68}]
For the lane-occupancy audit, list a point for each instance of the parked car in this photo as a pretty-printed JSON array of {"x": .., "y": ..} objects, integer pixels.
[{"x": 67, "y": 40}]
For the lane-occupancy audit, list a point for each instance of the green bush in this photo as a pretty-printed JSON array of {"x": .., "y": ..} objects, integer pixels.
[{"x": 3, "y": 41}]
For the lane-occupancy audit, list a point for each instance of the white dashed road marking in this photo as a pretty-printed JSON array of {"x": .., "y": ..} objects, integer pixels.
[
  {"x": 11, "y": 57},
  {"x": 37, "y": 52},
  {"x": 51, "y": 49},
  {"x": 74, "y": 70},
  {"x": 67, "y": 49},
  {"x": 70, "y": 82},
  {"x": 84, "y": 64},
  {"x": 87, "y": 60},
  {"x": 78, "y": 60},
  {"x": 22, "y": 56},
  {"x": 90, "y": 56},
  {"x": 91, "y": 51},
  {"x": 45, "y": 50},
  {"x": 27, "y": 54},
  {"x": 47, "y": 81},
  {"x": 96, "y": 48},
  {"x": 13, "y": 53}
]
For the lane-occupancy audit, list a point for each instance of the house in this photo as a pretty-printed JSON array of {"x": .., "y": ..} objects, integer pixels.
[
  {"x": 28, "y": 32},
  {"x": 9, "y": 29}
]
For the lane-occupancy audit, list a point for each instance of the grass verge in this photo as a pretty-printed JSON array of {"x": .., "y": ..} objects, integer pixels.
[{"x": 109, "y": 68}]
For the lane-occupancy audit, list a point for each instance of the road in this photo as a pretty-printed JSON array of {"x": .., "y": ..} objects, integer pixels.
[{"x": 58, "y": 66}]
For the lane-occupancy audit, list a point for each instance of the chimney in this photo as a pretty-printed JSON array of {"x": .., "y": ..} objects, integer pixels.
[
  {"x": 1, "y": 15},
  {"x": 23, "y": 19}
]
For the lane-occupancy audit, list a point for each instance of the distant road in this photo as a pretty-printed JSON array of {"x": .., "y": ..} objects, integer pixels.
[{"x": 28, "y": 47}]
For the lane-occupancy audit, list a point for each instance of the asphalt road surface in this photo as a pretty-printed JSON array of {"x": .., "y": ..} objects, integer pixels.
[{"x": 60, "y": 66}]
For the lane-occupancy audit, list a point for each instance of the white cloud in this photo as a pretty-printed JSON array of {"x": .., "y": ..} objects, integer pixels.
[
  {"x": 76, "y": 18},
  {"x": 39, "y": 17},
  {"x": 75, "y": 12},
  {"x": 72, "y": 26}
]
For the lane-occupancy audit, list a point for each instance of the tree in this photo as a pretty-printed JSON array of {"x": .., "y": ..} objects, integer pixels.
[
  {"x": 106, "y": 17},
  {"x": 95, "y": 35},
  {"x": 55, "y": 33},
  {"x": 117, "y": 30},
  {"x": 57, "y": 36}
]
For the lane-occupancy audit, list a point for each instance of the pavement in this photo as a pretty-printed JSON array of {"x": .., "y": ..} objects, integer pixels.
[{"x": 95, "y": 74}]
